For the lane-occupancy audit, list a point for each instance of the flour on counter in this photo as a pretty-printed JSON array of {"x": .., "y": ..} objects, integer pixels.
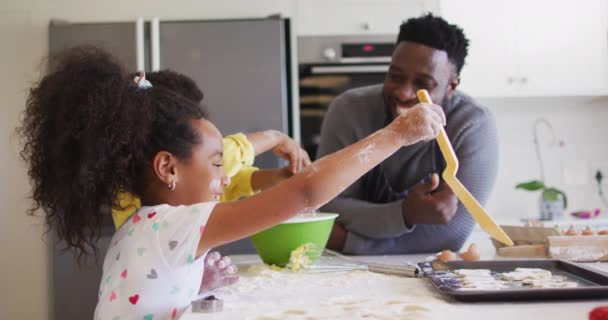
[
  {"x": 579, "y": 253},
  {"x": 297, "y": 312},
  {"x": 320, "y": 296}
]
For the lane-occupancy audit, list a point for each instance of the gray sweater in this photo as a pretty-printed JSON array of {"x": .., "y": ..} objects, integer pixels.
[{"x": 379, "y": 228}]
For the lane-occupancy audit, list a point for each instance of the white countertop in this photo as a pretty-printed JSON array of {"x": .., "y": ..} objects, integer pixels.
[
  {"x": 264, "y": 294},
  {"x": 600, "y": 222}
]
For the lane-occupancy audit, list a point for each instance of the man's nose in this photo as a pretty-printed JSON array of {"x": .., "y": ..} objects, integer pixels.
[{"x": 405, "y": 93}]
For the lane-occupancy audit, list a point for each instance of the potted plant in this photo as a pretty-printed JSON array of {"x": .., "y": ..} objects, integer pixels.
[{"x": 552, "y": 201}]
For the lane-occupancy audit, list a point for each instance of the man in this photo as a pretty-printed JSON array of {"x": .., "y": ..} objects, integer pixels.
[{"x": 402, "y": 206}]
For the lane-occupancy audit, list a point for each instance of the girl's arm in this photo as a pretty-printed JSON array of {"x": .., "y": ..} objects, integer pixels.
[
  {"x": 282, "y": 146},
  {"x": 320, "y": 182},
  {"x": 265, "y": 178},
  {"x": 263, "y": 141}
]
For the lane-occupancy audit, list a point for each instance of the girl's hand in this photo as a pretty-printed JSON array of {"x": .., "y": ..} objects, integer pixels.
[
  {"x": 219, "y": 272},
  {"x": 289, "y": 150},
  {"x": 421, "y": 122}
]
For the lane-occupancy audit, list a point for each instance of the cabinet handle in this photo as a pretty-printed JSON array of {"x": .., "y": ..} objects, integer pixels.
[
  {"x": 510, "y": 80},
  {"x": 524, "y": 80}
]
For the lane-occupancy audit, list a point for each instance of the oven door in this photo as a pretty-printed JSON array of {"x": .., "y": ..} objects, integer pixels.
[{"x": 320, "y": 84}]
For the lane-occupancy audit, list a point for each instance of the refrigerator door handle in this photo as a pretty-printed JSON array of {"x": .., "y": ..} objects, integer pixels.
[
  {"x": 139, "y": 45},
  {"x": 155, "y": 43}
]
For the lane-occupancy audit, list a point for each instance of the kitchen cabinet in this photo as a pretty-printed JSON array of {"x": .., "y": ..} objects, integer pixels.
[
  {"x": 342, "y": 17},
  {"x": 533, "y": 48}
]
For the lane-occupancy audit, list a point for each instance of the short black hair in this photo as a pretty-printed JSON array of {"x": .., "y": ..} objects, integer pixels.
[{"x": 437, "y": 33}]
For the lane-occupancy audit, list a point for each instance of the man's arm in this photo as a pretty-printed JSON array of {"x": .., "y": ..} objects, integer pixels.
[{"x": 477, "y": 150}]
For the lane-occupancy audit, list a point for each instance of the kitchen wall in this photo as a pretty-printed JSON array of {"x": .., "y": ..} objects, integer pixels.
[
  {"x": 578, "y": 122},
  {"x": 24, "y": 264},
  {"x": 24, "y": 267}
]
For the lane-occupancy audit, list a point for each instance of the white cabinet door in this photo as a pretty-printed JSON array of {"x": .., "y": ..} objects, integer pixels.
[
  {"x": 563, "y": 47},
  {"x": 533, "y": 48},
  {"x": 340, "y": 17},
  {"x": 489, "y": 65}
]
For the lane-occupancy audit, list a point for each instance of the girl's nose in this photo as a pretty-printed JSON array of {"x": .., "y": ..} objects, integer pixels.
[{"x": 225, "y": 181}]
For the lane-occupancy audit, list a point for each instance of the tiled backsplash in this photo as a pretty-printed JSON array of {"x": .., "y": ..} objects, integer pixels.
[{"x": 581, "y": 123}]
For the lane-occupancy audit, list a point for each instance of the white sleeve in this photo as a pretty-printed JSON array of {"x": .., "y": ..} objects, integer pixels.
[{"x": 180, "y": 231}]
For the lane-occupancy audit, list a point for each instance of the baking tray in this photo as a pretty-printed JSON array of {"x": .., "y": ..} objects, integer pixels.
[{"x": 591, "y": 283}]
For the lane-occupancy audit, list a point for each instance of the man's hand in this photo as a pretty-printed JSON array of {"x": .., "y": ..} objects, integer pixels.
[
  {"x": 337, "y": 238},
  {"x": 425, "y": 204}
]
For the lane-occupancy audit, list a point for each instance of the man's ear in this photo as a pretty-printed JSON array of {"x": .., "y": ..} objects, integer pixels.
[
  {"x": 165, "y": 167},
  {"x": 454, "y": 82}
]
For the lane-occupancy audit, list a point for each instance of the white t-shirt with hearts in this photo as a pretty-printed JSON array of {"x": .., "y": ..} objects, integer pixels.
[{"x": 150, "y": 271}]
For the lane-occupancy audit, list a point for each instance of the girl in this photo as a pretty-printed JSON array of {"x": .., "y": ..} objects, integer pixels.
[
  {"x": 240, "y": 151},
  {"x": 90, "y": 132}
]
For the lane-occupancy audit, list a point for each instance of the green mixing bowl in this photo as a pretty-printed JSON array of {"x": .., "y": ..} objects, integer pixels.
[{"x": 274, "y": 245}]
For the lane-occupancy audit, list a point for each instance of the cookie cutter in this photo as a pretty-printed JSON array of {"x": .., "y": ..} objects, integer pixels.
[{"x": 208, "y": 304}]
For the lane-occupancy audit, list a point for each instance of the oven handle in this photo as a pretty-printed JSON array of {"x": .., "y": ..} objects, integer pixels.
[
  {"x": 365, "y": 59},
  {"x": 349, "y": 69}
]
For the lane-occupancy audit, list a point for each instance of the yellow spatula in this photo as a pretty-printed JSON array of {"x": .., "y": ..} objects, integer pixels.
[{"x": 449, "y": 175}]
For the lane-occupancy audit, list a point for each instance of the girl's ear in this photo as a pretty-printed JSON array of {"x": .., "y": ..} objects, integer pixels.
[{"x": 165, "y": 167}]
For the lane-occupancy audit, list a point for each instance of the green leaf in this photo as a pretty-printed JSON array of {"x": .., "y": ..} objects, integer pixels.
[
  {"x": 552, "y": 194},
  {"x": 531, "y": 185}
]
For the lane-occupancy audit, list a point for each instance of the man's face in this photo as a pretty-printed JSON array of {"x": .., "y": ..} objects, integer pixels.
[{"x": 413, "y": 67}]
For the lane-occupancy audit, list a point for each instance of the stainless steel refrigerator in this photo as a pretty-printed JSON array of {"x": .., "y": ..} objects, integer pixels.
[{"x": 247, "y": 71}]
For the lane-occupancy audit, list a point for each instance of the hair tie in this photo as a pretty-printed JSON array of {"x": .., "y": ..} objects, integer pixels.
[{"x": 141, "y": 82}]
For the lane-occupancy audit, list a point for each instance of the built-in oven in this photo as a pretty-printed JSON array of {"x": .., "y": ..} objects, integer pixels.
[{"x": 331, "y": 65}]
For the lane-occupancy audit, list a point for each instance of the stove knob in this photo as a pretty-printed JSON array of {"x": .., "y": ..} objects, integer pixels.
[{"x": 330, "y": 54}]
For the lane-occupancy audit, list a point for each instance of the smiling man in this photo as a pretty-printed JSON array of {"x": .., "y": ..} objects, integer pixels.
[{"x": 401, "y": 206}]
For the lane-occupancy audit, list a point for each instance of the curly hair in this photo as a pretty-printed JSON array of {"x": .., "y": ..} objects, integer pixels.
[
  {"x": 178, "y": 82},
  {"x": 437, "y": 33},
  {"x": 89, "y": 133}
]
